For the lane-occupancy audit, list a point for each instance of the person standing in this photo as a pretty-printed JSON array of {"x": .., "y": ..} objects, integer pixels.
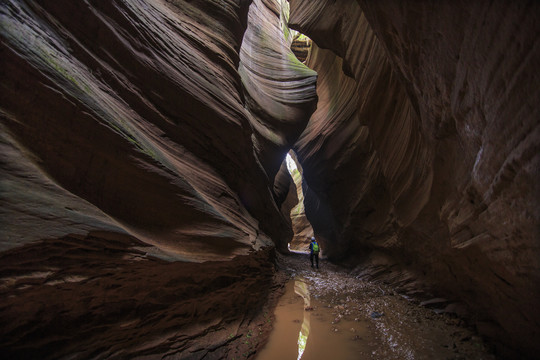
[{"x": 314, "y": 248}]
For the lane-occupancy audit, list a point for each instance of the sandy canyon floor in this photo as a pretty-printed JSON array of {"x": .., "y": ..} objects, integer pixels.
[{"x": 328, "y": 312}]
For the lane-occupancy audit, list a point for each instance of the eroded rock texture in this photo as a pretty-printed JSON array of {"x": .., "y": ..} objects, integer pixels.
[
  {"x": 101, "y": 296},
  {"x": 133, "y": 107},
  {"x": 280, "y": 90},
  {"x": 425, "y": 147},
  {"x": 128, "y": 119},
  {"x": 139, "y": 133},
  {"x": 138, "y": 109}
]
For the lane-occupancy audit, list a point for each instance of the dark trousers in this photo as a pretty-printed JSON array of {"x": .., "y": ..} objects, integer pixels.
[{"x": 316, "y": 256}]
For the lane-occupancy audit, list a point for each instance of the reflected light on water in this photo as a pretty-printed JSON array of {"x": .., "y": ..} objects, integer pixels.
[
  {"x": 316, "y": 338},
  {"x": 301, "y": 289}
]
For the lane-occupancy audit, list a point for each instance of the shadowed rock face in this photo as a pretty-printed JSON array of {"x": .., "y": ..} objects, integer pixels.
[
  {"x": 101, "y": 296},
  {"x": 140, "y": 138},
  {"x": 280, "y": 97},
  {"x": 429, "y": 149},
  {"x": 116, "y": 115},
  {"x": 301, "y": 227},
  {"x": 128, "y": 119},
  {"x": 137, "y": 108}
]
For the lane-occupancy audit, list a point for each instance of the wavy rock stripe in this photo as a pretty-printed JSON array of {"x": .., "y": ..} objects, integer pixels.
[
  {"x": 454, "y": 135},
  {"x": 477, "y": 101},
  {"x": 130, "y": 101},
  {"x": 280, "y": 90},
  {"x": 367, "y": 135},
  {"x": 100, "y": 296}
]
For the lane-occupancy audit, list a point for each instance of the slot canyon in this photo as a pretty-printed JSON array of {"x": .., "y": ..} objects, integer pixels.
[{"x": 147, "y": 208}]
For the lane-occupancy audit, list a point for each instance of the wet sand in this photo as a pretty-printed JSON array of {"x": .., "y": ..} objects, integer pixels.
[{"x": 348, "y": 318}]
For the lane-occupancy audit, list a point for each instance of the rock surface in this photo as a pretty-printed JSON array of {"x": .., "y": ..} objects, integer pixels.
[
  {"x": 302, "y": 229},
  {"x": 101, "y": 296},
  {"x": 433, "y": 159},
  {"x": 129, "y": 118},
  {"x": 280, "y": 96},
  {"x": 279, "y": 89},
  {"x": 140, "y": 138},
  {"x": 137, "y": 109}
]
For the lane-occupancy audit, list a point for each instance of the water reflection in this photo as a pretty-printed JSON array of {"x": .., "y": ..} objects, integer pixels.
[
  {"x": 316, "y": 337},
  {"x": 300, "y": 288}
]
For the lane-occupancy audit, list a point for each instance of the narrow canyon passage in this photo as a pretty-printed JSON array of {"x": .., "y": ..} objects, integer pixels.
[{"x": 148, "y": 209}]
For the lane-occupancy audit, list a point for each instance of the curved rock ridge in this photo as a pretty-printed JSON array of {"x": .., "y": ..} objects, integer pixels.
[
  {"x": 280, "y": 90},
  {"x": 358, "y": 142},
  {"x": 448, "y": 121},
  {"x": 137, "y": 109},
  {"x": 126, "y": 146}
]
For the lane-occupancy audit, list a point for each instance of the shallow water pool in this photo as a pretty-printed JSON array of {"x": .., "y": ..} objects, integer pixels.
[{"x": 307, "y": 328}]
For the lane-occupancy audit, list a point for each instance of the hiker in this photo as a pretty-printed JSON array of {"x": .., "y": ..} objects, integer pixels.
[{"x": 314, "y": 248}]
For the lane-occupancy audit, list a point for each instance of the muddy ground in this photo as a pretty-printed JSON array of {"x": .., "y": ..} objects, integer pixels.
[
  {"x": 104, "y": 297},
  {"x": 399, "y": 327}
]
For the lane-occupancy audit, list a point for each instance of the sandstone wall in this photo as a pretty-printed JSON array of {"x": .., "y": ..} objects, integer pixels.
[
  {"x": 280, "y": 97},
  {"x": 279, "y": 89},
  {"x": 361, "y": 131},
  {"x": 442, "y": 100},
  {"x": 137, "y": 109},
  {"x": 101, "y": 296},
  {"x": 130, "y": 120}
]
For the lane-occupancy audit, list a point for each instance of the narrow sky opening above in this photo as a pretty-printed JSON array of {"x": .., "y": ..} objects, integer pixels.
[{"x": 291, "y": 165}]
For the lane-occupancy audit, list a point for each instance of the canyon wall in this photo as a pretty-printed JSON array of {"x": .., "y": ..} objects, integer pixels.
[
  {"x": 134, "y": 145},
  {"x": 280, "y": 96},
  {"x": 143, "y": 186},
  {"x": 423, "y": 151},
  {"x": 144, "y": 112},
  {"x": 121, "y": 105}
]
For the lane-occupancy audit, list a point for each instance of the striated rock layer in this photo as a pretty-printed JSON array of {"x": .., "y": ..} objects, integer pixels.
[
  {"x": 138, "y": 110},
  {"x": 279, "y": 89},
  {"x": 280, "y": 97},
  {"x": 126, "y": 107},
  {"x": 131, "y": 119},
  {"x": 424, "y": 149},
  {"x": 100, "y": 296},
  {"x": 135, "y": 134}
]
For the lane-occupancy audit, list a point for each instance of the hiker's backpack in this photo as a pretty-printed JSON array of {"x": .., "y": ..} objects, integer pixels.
[{"x": 315, "y": 247}]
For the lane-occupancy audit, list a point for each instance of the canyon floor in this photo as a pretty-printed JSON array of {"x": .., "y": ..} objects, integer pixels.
[
  {"x": 131, "y": 305},
  {"x": 375, "y": 321}
]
